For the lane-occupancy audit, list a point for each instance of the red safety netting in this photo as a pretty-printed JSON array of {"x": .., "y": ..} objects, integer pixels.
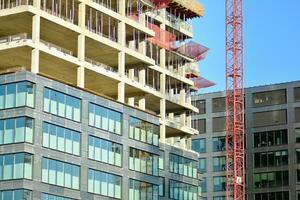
[
  {"x": 160, "y": 4},
  {"x": 193, "y": 50},
  {"x": 162, "y": 38},
  {"x": 201, "y": 82}
]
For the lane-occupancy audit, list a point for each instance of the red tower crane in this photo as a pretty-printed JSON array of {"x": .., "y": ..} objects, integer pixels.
[{"x": 235, "y": 165}]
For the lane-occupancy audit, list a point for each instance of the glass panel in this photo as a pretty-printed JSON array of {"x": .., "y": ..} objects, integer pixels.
[
  {"x": 91, "y": 114},
  {"x": 29, "y": 130},
  {"x": 45, "y": 169},
  {"x": 60, "y": 139},
  {"x": 19, "y": 165},
  {"x": 30, "y": 94},
  {"x": 8, "y": 167},
  {"x": 53, "y": 102},
  {"x": 60, "y": 174},
  {"x": 10, "y": 95},
  {"x": 46, "y": 100},
  {"x": 61, "y": 104},
  {"x": 20, "y": 130},
  {"x": 68, "y": 175},
  {"x": 1, "y": 131},
  {"x": 45, "y": 135},
  {"x": 69, "y": 109},
  {"x": 9, "y": 131},
  {"x": 21, "y": 94},
  {"x": 76, "y": 143},
  {"x": 2, "y": 96},
  {"x": 68, "y": 136}
]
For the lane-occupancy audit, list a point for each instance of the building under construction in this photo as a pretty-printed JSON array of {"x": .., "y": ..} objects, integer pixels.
[
  {"x": 272, "y": 135},
  {"x": 93, "y": 96}
]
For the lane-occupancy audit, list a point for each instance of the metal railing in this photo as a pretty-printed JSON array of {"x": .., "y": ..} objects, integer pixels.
[
  {"x": 178, "y": 23},
  {"x": 57, "y": 48},
  {"x": 7, "y": 4},
  {"x": 102, "y": 65},
  {"x": 108, "y": 4},
  {"x": 13, "y": 38}
]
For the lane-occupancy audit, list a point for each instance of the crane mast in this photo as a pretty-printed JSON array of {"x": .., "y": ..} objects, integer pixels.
[{"x": 235, "y": 165}]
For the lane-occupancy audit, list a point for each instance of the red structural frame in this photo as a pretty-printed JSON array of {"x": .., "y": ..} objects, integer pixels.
[{"x": 235, "y": 163}]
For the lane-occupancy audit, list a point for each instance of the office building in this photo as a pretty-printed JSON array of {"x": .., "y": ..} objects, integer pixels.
[{"x": 272, "y": 121}]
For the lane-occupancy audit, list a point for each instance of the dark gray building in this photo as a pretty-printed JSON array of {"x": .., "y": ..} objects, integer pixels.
[
  {"x": 61, "y": 142},
  {"x": 272, "y": 117}
]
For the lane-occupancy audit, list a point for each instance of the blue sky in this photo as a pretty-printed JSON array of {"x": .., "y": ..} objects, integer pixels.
[{"x": 271, "y": 41}]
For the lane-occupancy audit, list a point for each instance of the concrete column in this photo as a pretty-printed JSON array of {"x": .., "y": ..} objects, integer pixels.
[
  {"x": 122, "y": 7},
  {"x": 37, "y": 3},
  {"x": 142, "y": 47},
  {"x": 81, "y": 15},
  {"x": 131, "y": 101},
  {"x": 162, "y": 58},
  {"x": 142, "y": 76},
  {"x": 171, "y": 116},
  {"x": 182, "y": 119},
  {"x": 121, "y": 92},
  {"x": 121, "y": 63},
  {"x": 142, "y": 103},
  {"x": 131, "y": 74},
  {"x": 35, "y": 54},
  {"x": 80, "y": 76},
  {"x": 163, "y": 83},
  {"x": 162, "y": 136},
  {"x": 182, "y": 96},
  {"x": 189, "y": 143},
  {"x": 183, "y": 143},
  {"x": 81, "y": 47},
  {"x": 162, "y": 109},
  {"x": 189, "y": 120},
  {"x": 35, "y": 61},
  {"x": 132, "y": 44},
  {"x": 122, "y": 33}
]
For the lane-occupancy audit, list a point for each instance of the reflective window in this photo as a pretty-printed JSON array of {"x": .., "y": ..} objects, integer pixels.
[
  {"x": 53, "y": 197},
  {"x": 16, "y": 166},
  {"x": 183, "y": 166},
  {"x": 271, "y": 138},
  {"x": 269, "y": 98},
  {"x": 219, "y": 124},
  {"x": 297, "y": 115},
  {"x": 60, "y": 173},
  {"x": 105, "y": 151},
  {"x": 282, "y": 195},
  {"x": 143, "y": 161},
  {"x": 269, "y": 118},
  {"x": 161, "y": 188},
  {"x": 104, "y": 118},
  {"x": 143, "y": 131},
  {"x": 104, "y": 184},
  {"x": 199, "y": 145},
  {"x": 219, "y": 183},
  {"x": 219, "y": 198},
  {"x": 61, "y": 139},
  {"x": 15, "y": 130},
  {"x": 162, "y": 160},
  {"x": 203, "y": 185},
  {"x": 201, "y": 105},
  {"x": 19, "y": 194},
  {"x": 219, "y": 144},
  {"x": 219, "y": 163},
  {"x": 219, "y": 104},
  {"x": 271, "y": 159},
  {"x": 271, "y": 179},
  {"x": 200, "y": 125},
  {"x": 202, "y": 165},
  {"x": 180, "y": 190},
  {"x": 62, "y": 105},
  {"x": 16, "y": 95},
  {"x": 139, "y": 190},
  {"x": 297, "y": 94}
]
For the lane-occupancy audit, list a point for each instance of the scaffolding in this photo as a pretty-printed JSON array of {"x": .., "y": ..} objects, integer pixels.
[
  {"x": 193, "y": 50},
  {"x": 162, "y": 38}
]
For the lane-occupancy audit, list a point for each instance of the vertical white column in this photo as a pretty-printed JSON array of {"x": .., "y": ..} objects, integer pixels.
[
  {"x": 81, "y": 45},
  {"x": 142, "y": 76},
  {"x": 35, "y": 54},
  {"x": 142, "y": 103}
]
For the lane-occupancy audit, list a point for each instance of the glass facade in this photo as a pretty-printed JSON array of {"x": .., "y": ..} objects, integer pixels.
[
  {"x": 142, "y": 161},
  {"x": 16, "y": 130},
  {"x": 62, "y": 105},
  {"x": 143, "y": 131},
  {"x": 271, "y": 159},
  {"x": 202, "y": 165},
  {"x": 139, "y": 190},
  {"x": 105, "y": 151},
  {"x": 219, "y": 183},
  {"x": 19, "y": 94},
  {"x": 183, "y": 191},
  {"x": 105, "y": 119},
  {"x": 183, "y": 166},
  {"x": 161, "y": 160},
  {"x": 203, "y": 185},
  {"x": 219, "y": 163},
  {"x": 19, "y": 194},
  {"x": 104, "y": 184},
  {"x": 199, "y": 145},
  {"x": 282, "y": 195},
  {"x": 270, "y": 138},
  {"x": 219, "y": 144},
  {"x": 53, "y": 197},
  {"x": 16, "y": 166},
  {"x": 61, "y": 139},
  {"x": 271, "y": 179},
  {"x": 60, "y": 173}
]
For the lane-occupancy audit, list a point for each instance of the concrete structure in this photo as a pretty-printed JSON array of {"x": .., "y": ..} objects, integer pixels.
[
  {"x": 272, "y": 142},
  {"x": 92, "y": 97}
]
